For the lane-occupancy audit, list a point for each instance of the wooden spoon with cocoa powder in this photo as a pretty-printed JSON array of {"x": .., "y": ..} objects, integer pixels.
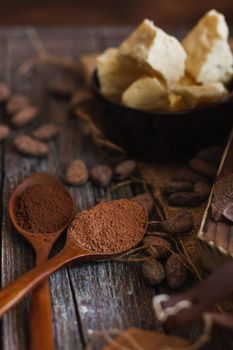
[
  {"x": 29, "y": 212},
  {"x": 108, "y": 229}
]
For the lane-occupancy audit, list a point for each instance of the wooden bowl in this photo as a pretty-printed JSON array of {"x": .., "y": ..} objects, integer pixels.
[{"x": 156, "y": 134}]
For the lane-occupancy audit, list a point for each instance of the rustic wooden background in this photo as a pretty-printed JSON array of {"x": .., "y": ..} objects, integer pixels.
[
  {"x": 105, "y": 12},
  {"x": 89, "y": 296}
]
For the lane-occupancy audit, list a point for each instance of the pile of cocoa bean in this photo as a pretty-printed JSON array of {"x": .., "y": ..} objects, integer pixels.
[{"x": 191, "y": 186}]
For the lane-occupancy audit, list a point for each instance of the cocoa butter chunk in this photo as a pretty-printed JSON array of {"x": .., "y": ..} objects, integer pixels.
[
  {"x": 24, "y": 116},
  {"x": 176, "y": 272},
  {"x": 62, "y": 89},
  {"x": 211, "y": 155},
  {"x": 28, "y": 146},
  {"x": 16, "y": 103},
  {"x": 77, "y": 173},
  {"x": 180, "y": 222},
  {"x": 4, "y": 92},
  {"x": 153, "y": 272},
  {"x": 185, "y": 199},
  {"x": 4, "y": 132},
  {"x": 125, "y": 169},
  {"x": 188, "y": 175},
  {"x": 203, "y": 168},
  {"x": 80, "y": 97},
  {"x": 177, "y": 186},
  {"x": 146, "y": 200},
  {"x": 202, "y": 189},
  {"x": 46, "y": 132},
  {"x": 157, "y": 246},
  {"x": 101, "y": 175}
]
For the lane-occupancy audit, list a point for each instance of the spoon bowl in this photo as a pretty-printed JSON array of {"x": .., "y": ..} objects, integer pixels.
[
  {"x": 72, "y": 250},
  {"x": 41, "y": 312}
]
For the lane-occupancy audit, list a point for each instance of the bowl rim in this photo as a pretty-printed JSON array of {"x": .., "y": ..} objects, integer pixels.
[{"x": 96, "y": 87}]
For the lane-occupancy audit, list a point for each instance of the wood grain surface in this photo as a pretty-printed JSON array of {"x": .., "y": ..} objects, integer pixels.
[{"x": 88, "y": 296}]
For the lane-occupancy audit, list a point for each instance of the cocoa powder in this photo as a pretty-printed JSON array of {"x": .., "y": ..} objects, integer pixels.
[
  {"x": 43, "y": 209},
  {"x": 110, "y": 227}
]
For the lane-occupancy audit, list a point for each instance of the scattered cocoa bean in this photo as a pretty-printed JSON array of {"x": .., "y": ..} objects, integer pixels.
[
  {"x": 24, "y": 116},
  {"x": 16, "y": 103},
  {"x": 125, "y": 169},
  {"x": 101, "y": 175},
  {"x": 203, "y": 168},
  {"x": 28, "y": 146},
  {"x": 146, "y": 200},
  {"x": 4, "y": 92},
  {"x": 153, "y": 272},
  {"x": 157, "y": 246},
  {"x": 46, "y": 132},
  {"x": 180, "y": 222},
  {"x": 176, "y": 272},
  {"x": 4, "y": 132},
  {"x": 203, "y": 189},
  {"x": 80, "y": 97},
  {"x": 177, "y": 186},
  {"x": 61, "y": 89},
  {"x": 188, "y": 175},
  {"x": 185, "y": 199},
  {"x": 77, "y": 173},
  {"x": 211, "y": 155}
]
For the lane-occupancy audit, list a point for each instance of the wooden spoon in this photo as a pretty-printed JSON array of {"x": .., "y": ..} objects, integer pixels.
[
  {"x": 41, "y": 312},
  {"x": 72, "y": 250}
]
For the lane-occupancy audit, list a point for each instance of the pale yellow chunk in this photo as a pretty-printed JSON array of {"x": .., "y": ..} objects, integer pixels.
[
  {"x": 146, "y": 94},
  {"x": 209, "y": 55},
  {"x": 115, "y": 74},
  {"x": 176, "y": 103},
  {"x": 156, "y": 51},
  {"x": 201, "y": 95}
]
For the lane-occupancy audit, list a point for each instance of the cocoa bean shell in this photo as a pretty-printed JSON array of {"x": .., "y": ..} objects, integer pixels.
[
  {"x": 176, "y": 272},
  {"x": 125, "y": 169},
  {"x": 153, "y": 272},
  {"x": 203, "y": 168},
  {"x": 16, "y": 103},
  {"x": 146, "y": 200},
  {"x": 177, "y": 186},
  {"x": 157, "y": 246},
  {"x": 77, "y": 173},
  {"x": 211, "y": 155},
  {"x": 179, "y": 223},
  {"x": 28, "y": 146},
  {"x": 101, "y": 175},
  {"x": 185, "y": 199},
  {"x": 46, "y": 132},
  {"x": 4, "y": 132},
  {"x": 188, "y": 175},
  {"x": 24, "y": 116}
]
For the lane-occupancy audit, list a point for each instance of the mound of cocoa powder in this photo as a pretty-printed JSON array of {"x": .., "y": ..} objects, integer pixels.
[
  {"x": 43, "y": 209},
  {"x": 110, "y": 227}
]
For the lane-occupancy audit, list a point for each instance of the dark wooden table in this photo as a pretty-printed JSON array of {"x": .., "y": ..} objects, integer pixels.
[{"x": 89, "y": 296}]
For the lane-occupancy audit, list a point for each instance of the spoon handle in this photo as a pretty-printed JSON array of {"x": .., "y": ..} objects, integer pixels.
[
  {"x": 11, "y": 295},
  {"x": 41, "y": 318}
]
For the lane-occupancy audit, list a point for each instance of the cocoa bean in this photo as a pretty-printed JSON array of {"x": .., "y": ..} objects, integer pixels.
[
  {"x": 153, "y": 272},
  {"x": 101, "y": 175},
  {"x": 46, "y": 132},
  {"x": 146, "y": 200},
  {"x": 203, "y": 168},
  {"x": 180, "y": 222},
  {"x": 28, "y": 146},
  {"x": 177, "y": 186},
  {"x": 4, "y": 132},
  {"x": 157, "y": 246},
  {"x": 24, "y": 116},
  {"x": 125, "y": 169},
  {"x": 61, "y": 89},
  {"x": 4, "y": 92},
  {"x": 176, "y": 272},
  {"x": 185, "y": 199},
  {"x": 203, "y": 189},
  {"x": 188, "y": 175},
  {"x": 16, "y": 103},
  {"x": 77, "y": 173},
  {"x": 211, "y": 155}
]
